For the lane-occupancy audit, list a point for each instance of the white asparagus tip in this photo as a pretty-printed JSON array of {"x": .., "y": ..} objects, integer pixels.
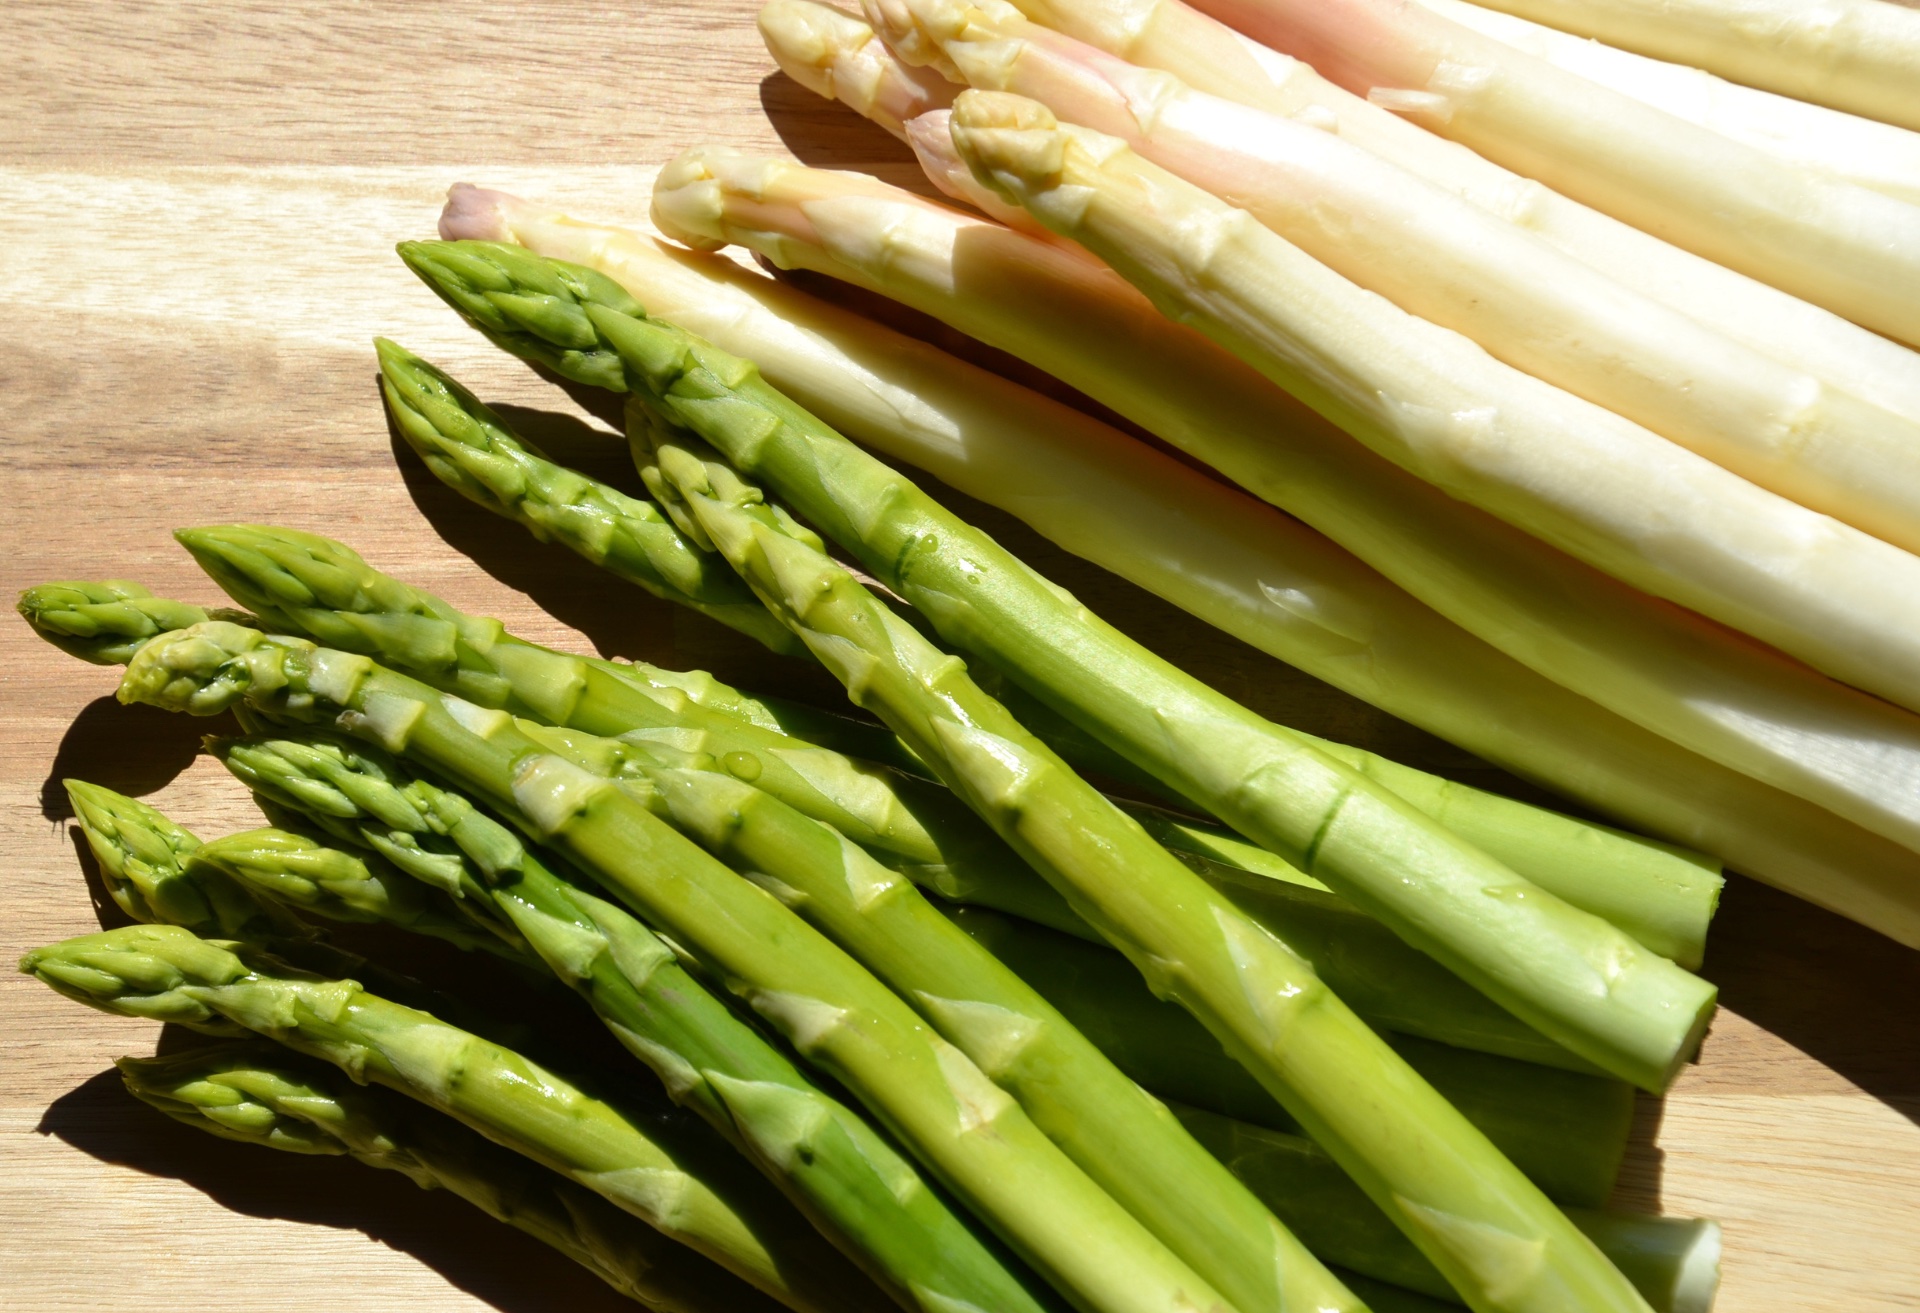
[
  {"x": 689, "y": 203},
  {"x": 806, "y": 39},
  {"x": 475, "y": 214},
  {"x": 1012, "y": 144}
]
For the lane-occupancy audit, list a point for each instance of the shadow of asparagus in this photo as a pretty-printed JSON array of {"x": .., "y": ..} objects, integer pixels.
[
  {"x": 508, "y": 1270},
  {"x": 134, "y": 749}
]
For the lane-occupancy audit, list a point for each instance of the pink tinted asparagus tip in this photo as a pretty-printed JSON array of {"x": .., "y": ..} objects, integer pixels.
[
  {"x": 931, "y": 136},
  {"x": 476, "y": 214}
]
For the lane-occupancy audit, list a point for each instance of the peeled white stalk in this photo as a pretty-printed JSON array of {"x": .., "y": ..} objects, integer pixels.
[
  {"x": 1052, "y": 305},
  {"x": 1861, "y": 56},
  {"x": 1224, "y": 556},
  {"x": 1851, "y": 250},
  {"x": 1171, "y": 35},
  {"x": 1866, "y": 152},
  {"x": 1453, "y": 264}
]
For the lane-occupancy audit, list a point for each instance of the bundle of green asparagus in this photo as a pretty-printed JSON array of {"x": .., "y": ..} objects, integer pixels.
[{"x": 426, "y": 770}]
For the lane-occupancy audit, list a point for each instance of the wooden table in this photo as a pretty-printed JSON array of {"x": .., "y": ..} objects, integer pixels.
[{"x": 198, "y": 202}]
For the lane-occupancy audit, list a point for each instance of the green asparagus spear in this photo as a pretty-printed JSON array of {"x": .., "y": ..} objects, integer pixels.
[
  {"x": 306, "y": 584},
  {"x": 103, "y": 622},
  {"x": 169, "y": 974},
  {"x": 838, "y": 1016},
  {"x": 1436, "y": 1175},
  {"x": 1673, "y": 1261},
  {"x": 259, "y": 1094},
  {"x": 628, "y": 536},
  {"x": 854, "y": 1184},
  {"x": 1106, "y": 1123},
  {"x": 293, "y": 868},
  {"x": 1566, "y": 972},
  {"x": 1567, "y": 1132},
  {"x": 1661, "y": 896},
  {"x": 144, "y": 864}
]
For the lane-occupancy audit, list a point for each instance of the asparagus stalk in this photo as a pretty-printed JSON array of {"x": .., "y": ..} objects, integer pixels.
[
  {"x": 1674, "y": 1262},
  {"x": 1240, "y": 566},
  {"x": 1451, "y": 263},
  {"x": 1870, "y": 154},
  {"x": 851, "y": 1182},
  {"x": 1828, "y": 242},
  {"x": 1121, "y": 1136},
  {"x": 815, "y": 466},
  {"x": 1438, "y": 1177},
  {"x": 1856, "y": 55},
  {"x": 1203, "y": 52},
  {"x": 840, "y": 1018},
  {"x": 168, "y": 974},
  {"x": 1566, "y": 1132},
  {"x": 258, "y": 1094},
  {"x": 1671, "y": 672},
  {"x": 488, "y": 464},
  {"x": 1645, "y": 890}
]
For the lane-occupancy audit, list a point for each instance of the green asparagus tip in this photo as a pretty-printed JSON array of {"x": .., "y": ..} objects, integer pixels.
[
  {"x": 102, "y": 621},
  {"x": 241, "y": 1091},
  {"x": 141, "y": 854},
  {"x": 138, "y": 971},
  {"x": 529, "y": 306}
]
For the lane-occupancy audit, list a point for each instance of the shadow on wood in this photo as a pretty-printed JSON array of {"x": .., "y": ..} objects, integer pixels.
[
  {"x": 1836, "y": 991},
  {"x": 1637, "y": 1188},
  {"x": 136, "y": 750},
  {"x": 509, "y": 1270},
  {"x": 829, "y": 135}
]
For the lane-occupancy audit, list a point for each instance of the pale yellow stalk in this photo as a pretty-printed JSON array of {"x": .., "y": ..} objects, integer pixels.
[
  {"x": 1866, "y": 152},
  {"x": 1862, "y": 56}
]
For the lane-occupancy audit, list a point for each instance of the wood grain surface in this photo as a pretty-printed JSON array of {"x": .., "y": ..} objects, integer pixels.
[{"x": 198, "y": 203}]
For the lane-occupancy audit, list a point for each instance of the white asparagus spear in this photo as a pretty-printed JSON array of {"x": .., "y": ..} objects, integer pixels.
[
  {"x": 1054, "y": 306},
  {"x": 1866, "y": 152},
  {"x": 1862, "y": 56},
  {"x": 1851, "y": 250},
  {"x": 1224, "y": 556},
  {"x": 1449, "y": 262},
  {"x": 1170, "y": 35},
  {"x": 1585, "y": 480}
]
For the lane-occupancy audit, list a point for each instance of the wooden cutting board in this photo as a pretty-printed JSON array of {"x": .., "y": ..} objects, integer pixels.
[{"x": 198, "y": 203}]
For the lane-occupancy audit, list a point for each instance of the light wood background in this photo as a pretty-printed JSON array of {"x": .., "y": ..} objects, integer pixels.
[{"x": 198, "y": 202}]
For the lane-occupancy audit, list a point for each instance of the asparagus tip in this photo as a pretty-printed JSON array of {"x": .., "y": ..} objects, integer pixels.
[{"x": 477, "y": 214}]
